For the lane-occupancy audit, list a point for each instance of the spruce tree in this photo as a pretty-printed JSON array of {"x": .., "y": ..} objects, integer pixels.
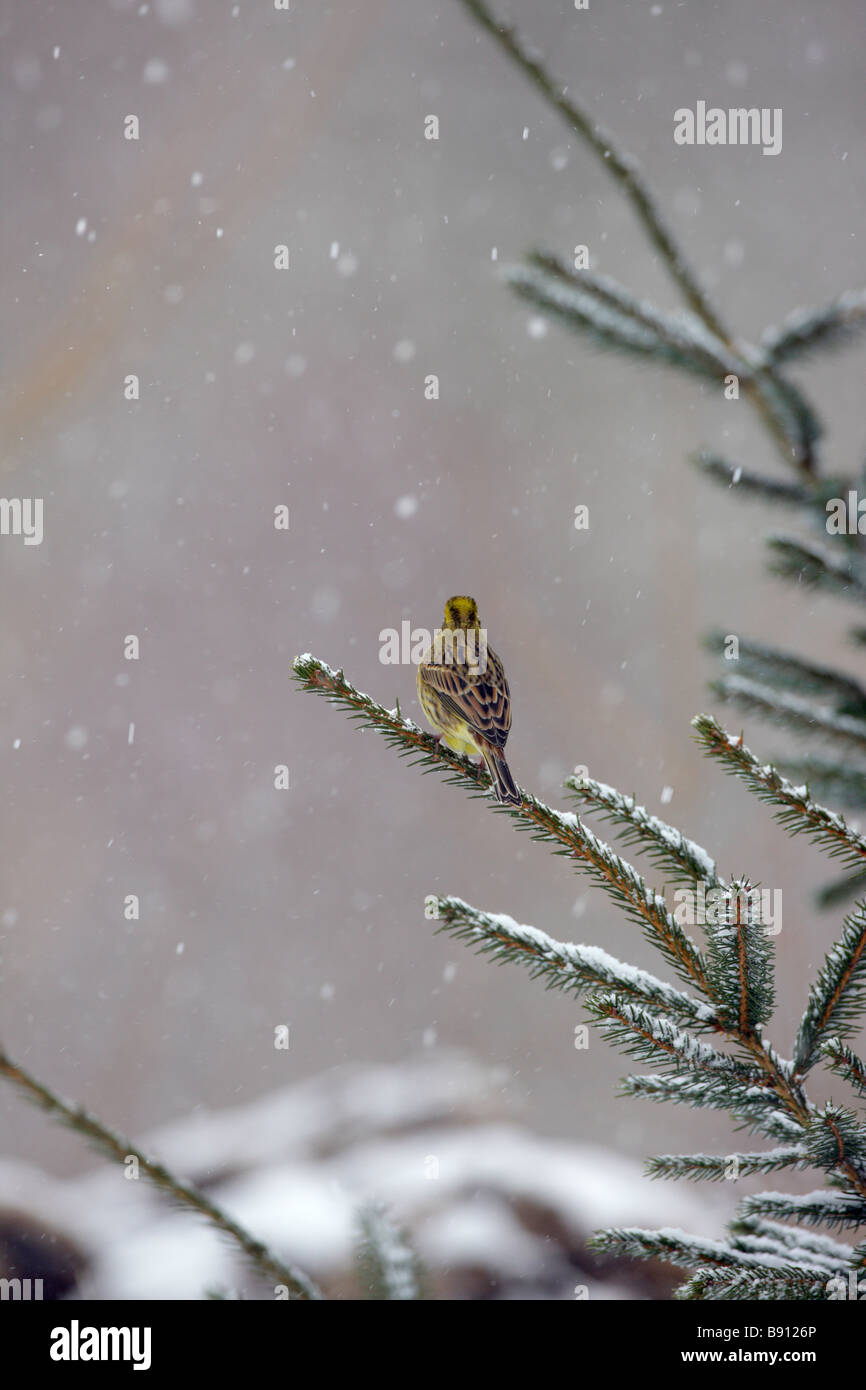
[
  {"x": 704, "y": 1032},
  {"x": 703, "y": 1035}
]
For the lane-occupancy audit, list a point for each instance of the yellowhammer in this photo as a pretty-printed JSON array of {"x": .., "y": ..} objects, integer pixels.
[{"x": 464, "y": 693}]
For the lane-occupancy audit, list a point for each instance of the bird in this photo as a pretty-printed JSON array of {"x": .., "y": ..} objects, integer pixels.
[{"x": 464, "y": 694}]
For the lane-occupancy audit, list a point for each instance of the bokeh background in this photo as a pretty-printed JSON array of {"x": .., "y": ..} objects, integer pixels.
[{"x": 305, "y": 387}]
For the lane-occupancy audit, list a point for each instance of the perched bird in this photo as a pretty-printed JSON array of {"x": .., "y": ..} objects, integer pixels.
[{"x": 464, "y": 694}]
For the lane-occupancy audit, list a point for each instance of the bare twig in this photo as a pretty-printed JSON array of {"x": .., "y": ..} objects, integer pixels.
[{"x": 185, "y": 1194}]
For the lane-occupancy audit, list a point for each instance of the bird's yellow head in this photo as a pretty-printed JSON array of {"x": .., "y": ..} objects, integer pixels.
[{"x": 461, "y": 612}]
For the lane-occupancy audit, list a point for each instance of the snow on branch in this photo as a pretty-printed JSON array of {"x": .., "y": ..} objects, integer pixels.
[
  {"x": 846, "y": 1064},
  {"x": 796, "y": 808},
  {"x": 807, "y": 330},
  {"x": 613, "y": 317},
  {"x": 565, "y": 966},
  {"x": 824, "y": 1207},
  {"x": 563, "y": 829},
  {"x": 716, "y": 1167},
  {"x": 837, "y": 998},
  {"x": 680, "y": 1248},
  {"x": 667, "y": 847}
]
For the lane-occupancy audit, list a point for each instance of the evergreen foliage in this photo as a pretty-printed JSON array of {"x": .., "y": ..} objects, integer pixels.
[
  {"x": 703, "y": 1039},
  {"x": 779, "y": 686}
]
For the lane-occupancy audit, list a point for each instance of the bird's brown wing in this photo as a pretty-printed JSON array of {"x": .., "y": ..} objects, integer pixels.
[{"x": 483, "y": 701}]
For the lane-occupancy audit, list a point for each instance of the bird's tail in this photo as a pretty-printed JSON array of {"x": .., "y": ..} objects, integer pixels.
[{"x": 500, "y": 774}]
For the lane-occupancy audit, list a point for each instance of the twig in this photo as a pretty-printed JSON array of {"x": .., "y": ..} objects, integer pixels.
[
  {"x": 185, "y": 1194},
  {"x": 763, "y": 388},
  {"x": 622, "y": 168}
]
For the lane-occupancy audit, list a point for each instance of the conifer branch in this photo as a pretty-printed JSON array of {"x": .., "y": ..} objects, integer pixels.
[
  {"x": 741, "y": 966},
  {"x": 758, "y": 662},
  {"x": 846, "y": 1064},
  {"x": 388, "y": 1267},
  {"x": 668, "y": 848},
  {"x": 841, "y": 782},
  {"x": 793, "y": 711},
  {"x": 659, "y": 1022},
  {"x": 613, "y": 318},
  {"x": 565, "y": 966},
  {"x": 620, "y": 166},
  {"x": 837, "y": 1141},
  {"x": 795, "y": 807},
  {"x": 787, "y": 416},
  {"x": 643, "y": 1032},
  {"x": 752, "y": 484},
  {"x": 808, "y": 330},
  {"x": 671, "y": 1245},
  {"x": 186, "y": 1195},
  {"x": 796, "y": 1283},
  {"x": 808, "y": 563},
  {"x": 756, "y": 1106},
  {"x": 841, "y": 890},
  {"x": 563, "y": 829},
  {"x": 822, "y": 1208},
  {"x": 838, "y": 996},
  {"x": 769, "y": 1100},
  {"x": 717, "y": 1167},
  {"x": 751, "y": 1231}
]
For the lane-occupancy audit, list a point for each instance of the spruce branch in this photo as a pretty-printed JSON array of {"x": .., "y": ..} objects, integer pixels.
[
  {"x": 757, "y": 661},
  {"x": 808, "y": 563},
  {"x": 657, "y": 1021},
  {"x": 741, "y": 965},
  {"x": 794, "y": 1283},
  {"x": 769, "y": 1100},
  {"x": 644, "y": 1032},
  {"x": 771, "y": 1104},
  {"x": 702, "y": 1076},
  {"x": 788, "y": 413},
  {"x": 845, "y": 1063},
  {"x": 809, "y": 330},
  {"x": 388, "y": 1268},
  {"x": 619, "y": 165},
  {"x": 789, "y": 419},
  {"x": 751, "y": 484},
  {"x": 718, "y": 1167},
  {"x": 757, "y": 1107},
  {"x": 840, "y": 782},
  {"x": 822, "y": 1208},
  {"x": 565, "y": 966},
  {"x": 184, "y": 1194},
  {"x": 614, "y": 318},
  {"x": 792, "y": 711},
  {"x": 563, "y": 829},
  {"x": 783, "y": 1239},
  {"x": 689, "y": 1252},
  {"x": 795, "y": 807},
  {"x": 837, "y": 1141},
  {"x": 838, "y": 996},
  {"x": 668, "y": 848},
  {"x": 841, "y": 890}
]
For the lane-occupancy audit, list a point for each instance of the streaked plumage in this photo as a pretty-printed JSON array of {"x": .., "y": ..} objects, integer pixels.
[{"x": 470, "y": 706}]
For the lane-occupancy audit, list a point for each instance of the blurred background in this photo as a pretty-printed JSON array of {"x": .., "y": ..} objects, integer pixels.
[{"x": 305, "y": 387}]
